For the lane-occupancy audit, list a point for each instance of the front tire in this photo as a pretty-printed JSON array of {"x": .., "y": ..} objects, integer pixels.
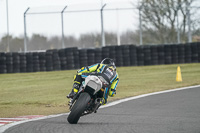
[{"x": 78, "y": 108}]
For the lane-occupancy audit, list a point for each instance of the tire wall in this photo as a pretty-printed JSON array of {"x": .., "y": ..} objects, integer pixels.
[{"x": 74, "y": 58}]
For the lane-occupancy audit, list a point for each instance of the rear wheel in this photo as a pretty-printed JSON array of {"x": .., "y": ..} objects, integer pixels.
[{"x": 78, "y": 108}]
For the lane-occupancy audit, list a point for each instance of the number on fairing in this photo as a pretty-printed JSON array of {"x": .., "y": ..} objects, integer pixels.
[{"x": 109, "y": 73}]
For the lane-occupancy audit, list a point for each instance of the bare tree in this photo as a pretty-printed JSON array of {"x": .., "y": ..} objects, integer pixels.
[{"x": 160, "y": 19}]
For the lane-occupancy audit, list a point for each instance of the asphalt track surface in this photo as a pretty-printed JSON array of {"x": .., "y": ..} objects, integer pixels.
[{"x": 172, "y": 112}]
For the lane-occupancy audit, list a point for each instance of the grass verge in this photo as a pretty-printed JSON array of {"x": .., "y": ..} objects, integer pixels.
[{"x": 44, "y": 93}]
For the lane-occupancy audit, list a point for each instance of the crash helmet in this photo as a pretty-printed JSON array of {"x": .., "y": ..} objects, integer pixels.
[{"x": 109, "y": 62}]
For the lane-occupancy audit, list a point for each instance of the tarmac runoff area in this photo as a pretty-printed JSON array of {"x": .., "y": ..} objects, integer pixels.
[{"x": 176, "y": 110}]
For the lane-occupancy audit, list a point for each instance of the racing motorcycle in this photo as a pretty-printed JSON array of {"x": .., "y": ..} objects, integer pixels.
[{"x": 87, "y": 100}]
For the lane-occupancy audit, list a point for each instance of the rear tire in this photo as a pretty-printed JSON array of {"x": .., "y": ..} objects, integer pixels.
[{"x": 78, "y": 108}]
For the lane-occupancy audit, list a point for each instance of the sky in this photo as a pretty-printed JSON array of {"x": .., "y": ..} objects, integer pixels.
[{"x": 75, "y": 23}]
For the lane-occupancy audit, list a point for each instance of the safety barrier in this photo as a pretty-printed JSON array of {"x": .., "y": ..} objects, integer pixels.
[{"x": 74, "y": 58}]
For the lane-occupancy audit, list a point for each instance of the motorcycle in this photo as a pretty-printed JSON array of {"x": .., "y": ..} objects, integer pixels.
[{"x": 87, "y": 100}]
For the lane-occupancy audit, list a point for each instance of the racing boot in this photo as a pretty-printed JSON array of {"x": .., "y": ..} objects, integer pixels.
[
  {"x": 103, "y": 101},
  {"x": 74, "y": 91}
]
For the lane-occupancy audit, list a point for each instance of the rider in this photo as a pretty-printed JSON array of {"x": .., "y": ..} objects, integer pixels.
[{"x": 106, "y": 69}]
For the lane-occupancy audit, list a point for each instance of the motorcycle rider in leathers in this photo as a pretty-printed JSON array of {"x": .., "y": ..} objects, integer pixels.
[{"x": 106, "y": 69}]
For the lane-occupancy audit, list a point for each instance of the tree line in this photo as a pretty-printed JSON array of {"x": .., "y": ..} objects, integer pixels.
[
  {"x": 41, "y": 42},
  {"x": 89, "y": 40}
]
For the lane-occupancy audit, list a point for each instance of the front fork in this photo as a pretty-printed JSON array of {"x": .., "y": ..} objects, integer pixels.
[{"x": 72, "y": 101}]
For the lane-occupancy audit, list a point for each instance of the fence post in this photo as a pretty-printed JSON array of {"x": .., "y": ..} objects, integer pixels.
[
  {"x": 178, "y": 30},
  {"x": 25, "y": 38},
  {"x": 102, "y": 28},
  {"x": 63, "y": 43},
  {"x": 140, "y": 19},
  {"x": 118, "y": 31},
  {"x": 189, "y": 23},
  {"x": 8, "y": 47}
]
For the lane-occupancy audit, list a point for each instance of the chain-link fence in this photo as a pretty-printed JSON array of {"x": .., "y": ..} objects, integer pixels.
[
  {"x": 83, "y": 25},
  {"x": 94, "y": 25}
]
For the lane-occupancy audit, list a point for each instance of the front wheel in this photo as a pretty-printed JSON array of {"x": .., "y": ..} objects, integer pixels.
[{"x": 78, "y": 108}]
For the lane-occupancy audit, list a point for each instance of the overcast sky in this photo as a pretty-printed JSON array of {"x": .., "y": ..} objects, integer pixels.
[{"x": 74, "y": 23}]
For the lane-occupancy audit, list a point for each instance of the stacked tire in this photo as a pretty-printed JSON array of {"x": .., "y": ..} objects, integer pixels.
[
  {"x": 174, "y": 54},
  {"x": 147, "y": 55},
  {"x": 91, "y": 56},
  {"x": 194, "y": 55},
  {"x": 23, "y": 62},
  {"x": 133, "y": 55},
  {"x": 112, "y": 52},
  {"x": 98, "y": 55},
  {"x": 42, "y": 61},
  {"x": 70, "y": 58},
  {"x": 140, "y": 56},
  {"x": 181, "y": 53},
  {"x": 49, "y": 60},
  {"x": 3, "y": 63},
  {"x": 126, "y": 55},
  {"x": 118, "y": 55},
  {"x": 76, "y": 58},
  {"x": 29, "y": 62},
  {"x": 168, "y": 57},
  {"x": 56, "y": 60},
  {"x": 83, "y": 58},
  {"x": 36, "y": 65},
  {"x": 154, "y": 55},
  {"x": 161, "y": 54},
  {"x": 9, "y": 62},
  {"x": 63, "y": 59},
  {"x": 188, "y": 53},
  {"x": 198, "y": 46},
  {"x": 16, "y": 62},
  {"x": 105, "y": 52}
]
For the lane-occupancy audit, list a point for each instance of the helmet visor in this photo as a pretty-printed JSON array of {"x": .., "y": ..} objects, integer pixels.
[{"x": 108, "y": 62}]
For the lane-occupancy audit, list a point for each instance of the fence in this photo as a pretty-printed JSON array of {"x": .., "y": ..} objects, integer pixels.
[
  {"x": 106, "y": 16},
  {"x": 74, "y": 58}
]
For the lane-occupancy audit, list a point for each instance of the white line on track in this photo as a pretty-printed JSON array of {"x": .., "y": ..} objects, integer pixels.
[{"x": 4, "y": 127}]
